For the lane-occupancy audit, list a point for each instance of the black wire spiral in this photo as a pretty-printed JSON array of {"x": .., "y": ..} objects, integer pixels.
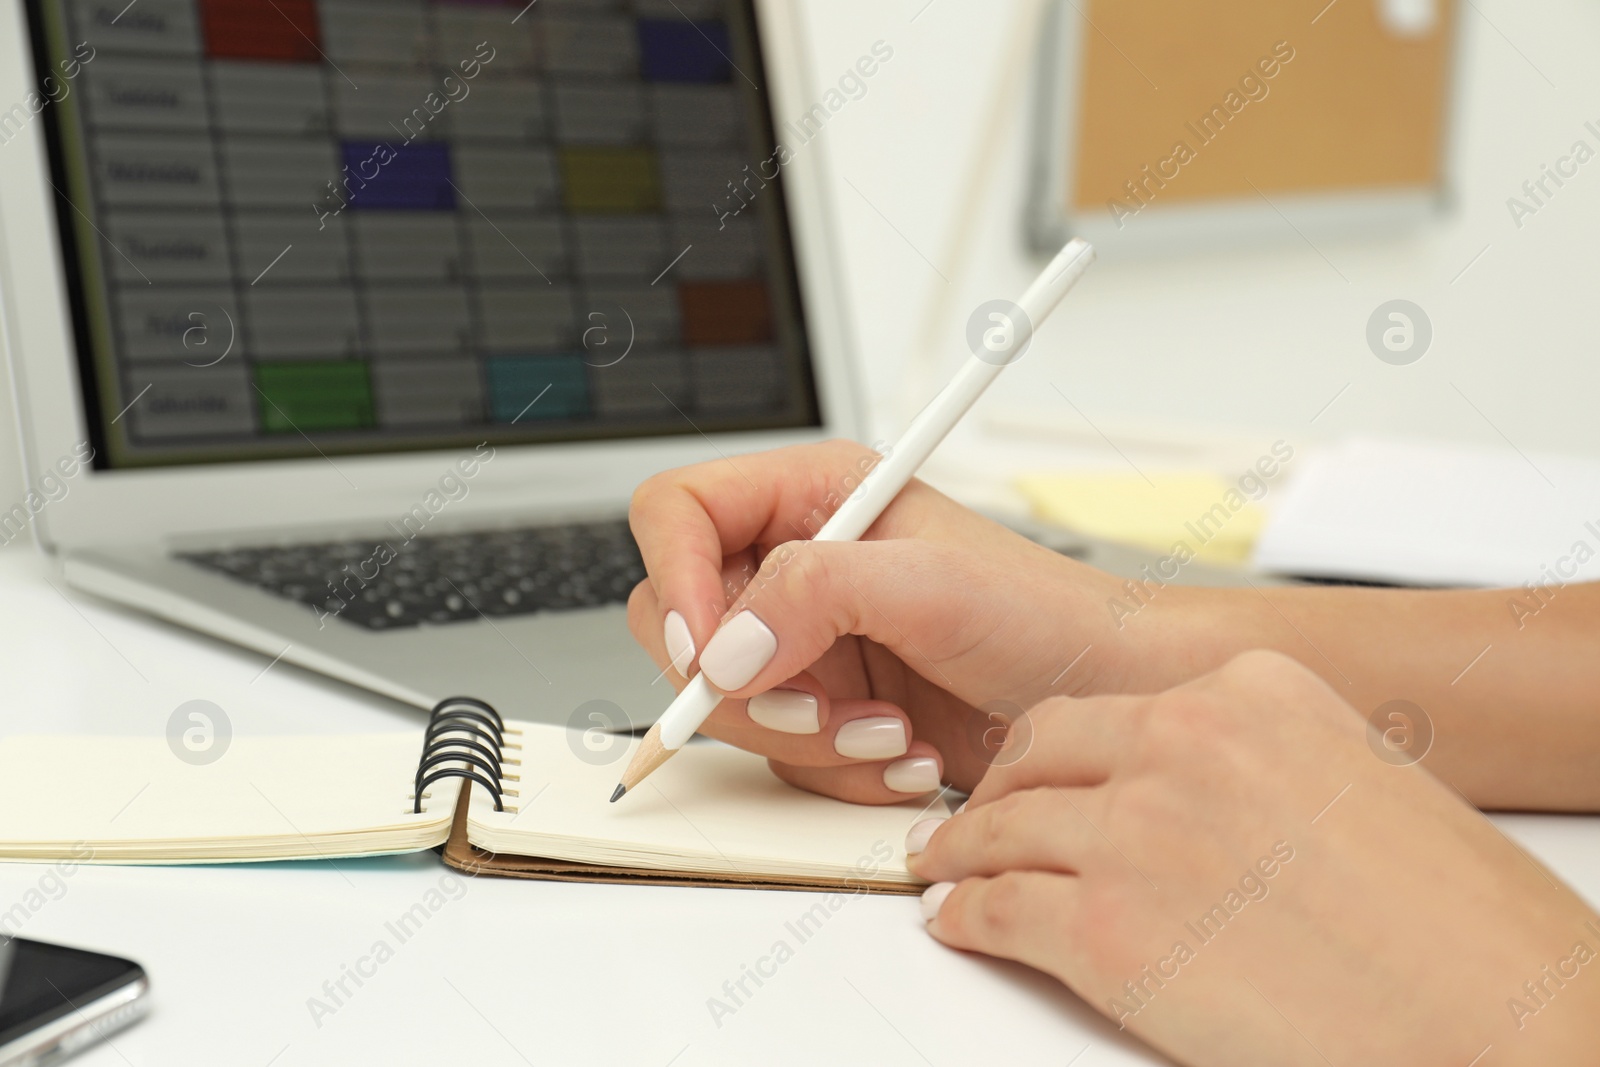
[{"x": 483, "y": 750}]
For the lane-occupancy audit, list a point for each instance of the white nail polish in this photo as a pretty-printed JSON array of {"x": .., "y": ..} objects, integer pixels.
[
  {"x": 962, "y": 808},
  {"x": 917, "y": 838},
  {"x": 737, "y": 652},
  {"x": 679, "y": 641},
  {"x": 933, "y": 899},
  {"x": 880, "y": 737},
  {"x": 787, "y": 711},
  {"x": 920, "y": 775}
]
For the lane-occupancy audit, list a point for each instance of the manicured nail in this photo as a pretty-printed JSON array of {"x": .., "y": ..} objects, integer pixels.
[
  {"x": 917, "y": 839},
  {"x": 784, "y": 710},
  {"x": 962, "y": 808},
  {"x": 737, "y": 652},
  {"x": 933, "y": 899},
  {"x": 679, "y": 641},
  {"x": 881, "y": 737},
  {"x": 920, "y": 775}
]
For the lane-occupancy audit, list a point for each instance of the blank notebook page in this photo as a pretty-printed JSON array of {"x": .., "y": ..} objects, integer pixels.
[
  {"x": 709, "y": 809},
  {"x": 1436, "y": 514},
  {"x": 132, "y": 798}
]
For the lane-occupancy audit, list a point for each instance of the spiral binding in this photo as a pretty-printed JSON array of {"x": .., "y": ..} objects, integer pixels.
[{"x": 462, "y": 730}]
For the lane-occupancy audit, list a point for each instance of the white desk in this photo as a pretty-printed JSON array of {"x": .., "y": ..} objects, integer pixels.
[{"x": 507, "y": 972}]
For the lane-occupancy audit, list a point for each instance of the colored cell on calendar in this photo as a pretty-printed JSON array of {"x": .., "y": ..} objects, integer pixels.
[
  {"x": 676, "y": 50},
  {"x": 314, "y": 395},
  {"x": 282, "y": 30},
  {"x": 538, "y": 388},
  {"x": 725, "y": 312},
  {"x": 610, "y": 180},
  {"x": 412, "y": 177}
]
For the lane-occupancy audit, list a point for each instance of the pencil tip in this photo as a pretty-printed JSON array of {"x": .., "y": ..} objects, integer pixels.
[{"x": 617, "y": 795}]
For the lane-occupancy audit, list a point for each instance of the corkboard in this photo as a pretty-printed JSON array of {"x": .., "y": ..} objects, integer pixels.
[{"x": 1357, "y": 107}]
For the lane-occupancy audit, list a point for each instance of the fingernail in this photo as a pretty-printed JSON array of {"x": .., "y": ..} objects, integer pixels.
[
  {"x": 679, "y": 641},
  {"x": 882, "y": 737},
  {"x": 917, "y": 838},
  {"x": 920, "y": 775},
  {"x": 933, "y": 899},
  {"x": 784, "y": 710},
  {"x": 737, "y": 652},
  {"x": 962, "y": 808}
]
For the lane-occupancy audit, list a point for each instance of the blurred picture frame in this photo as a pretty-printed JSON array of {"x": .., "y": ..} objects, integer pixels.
[{"x": 1159, "y": 126}]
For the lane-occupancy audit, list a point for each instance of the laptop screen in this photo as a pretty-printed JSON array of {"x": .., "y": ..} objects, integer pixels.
[{"x": 294, "y": 227}]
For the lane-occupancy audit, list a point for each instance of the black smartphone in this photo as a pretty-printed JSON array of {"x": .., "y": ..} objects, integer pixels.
[{"x": 55, "y": 1000}]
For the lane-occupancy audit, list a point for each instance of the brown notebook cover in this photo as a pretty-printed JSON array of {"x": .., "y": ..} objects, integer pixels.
[{"x": 461, "y": 854}]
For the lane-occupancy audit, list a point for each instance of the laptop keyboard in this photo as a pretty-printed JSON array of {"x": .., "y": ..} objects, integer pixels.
[{"x": 390, "y": 585}]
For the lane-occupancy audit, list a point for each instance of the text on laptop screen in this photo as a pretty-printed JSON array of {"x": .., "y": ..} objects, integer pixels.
[{"x": 302, "y": 226}]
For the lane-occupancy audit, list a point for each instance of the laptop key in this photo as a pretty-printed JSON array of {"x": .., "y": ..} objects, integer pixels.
[{"x": 446, "y": 578}]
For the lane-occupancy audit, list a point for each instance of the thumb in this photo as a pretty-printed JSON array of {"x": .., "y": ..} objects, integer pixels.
[{"x": 907, "y": 595}]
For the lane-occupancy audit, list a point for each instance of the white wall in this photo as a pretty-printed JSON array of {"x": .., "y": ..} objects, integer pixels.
[{"x": 1256, "y": 339}]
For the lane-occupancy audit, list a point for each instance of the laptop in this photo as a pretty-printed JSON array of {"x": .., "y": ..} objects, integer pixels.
[{"x": 343, "y": 329}]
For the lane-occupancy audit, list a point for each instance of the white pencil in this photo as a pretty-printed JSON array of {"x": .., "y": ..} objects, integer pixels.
[{"x": 884, "y": 482}]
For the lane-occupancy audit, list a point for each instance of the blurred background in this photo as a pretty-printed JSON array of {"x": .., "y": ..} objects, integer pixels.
[
  {"x": 1190, "y": 348},
  {"x": 1261, "y": 335}
]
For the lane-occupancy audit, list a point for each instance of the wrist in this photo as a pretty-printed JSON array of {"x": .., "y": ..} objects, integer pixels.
[
  {"x": 1143, "y": 635},
  {"x": 1186, "y": 631}
]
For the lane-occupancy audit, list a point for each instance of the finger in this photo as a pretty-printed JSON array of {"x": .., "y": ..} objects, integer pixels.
[
  {"x": 665, "y": 636},
  {"x": 1018, "y": 915},
  {"x": 782, "y": 722},
  {"x": 853, "y": 731},
  {"x": 738, "y": 570},
  {"x": 644, "y": 621},
  {"x": 686, "y": 521},
  {"x": 1037, "y": 829},
  {"x": 915, "y": 774},
  {"x": 1064, "y": 741},
  {"x": 810, "y": 593}
]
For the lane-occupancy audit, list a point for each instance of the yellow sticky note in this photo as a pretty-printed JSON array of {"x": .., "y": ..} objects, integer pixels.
[
  {"x": 1211, "y": 517},
  {"x": 610, "y": 180}
]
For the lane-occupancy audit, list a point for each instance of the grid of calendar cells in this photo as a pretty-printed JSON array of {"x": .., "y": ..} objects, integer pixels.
[{"x": 389, "y": 217}]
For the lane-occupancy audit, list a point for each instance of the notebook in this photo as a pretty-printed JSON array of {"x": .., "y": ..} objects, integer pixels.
[
  {"x": 1436, "y": 514},
  {"x": 497, "y": 797}
]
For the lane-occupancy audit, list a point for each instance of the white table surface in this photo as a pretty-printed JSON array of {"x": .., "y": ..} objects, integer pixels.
[{"x": 505, "y": 972}]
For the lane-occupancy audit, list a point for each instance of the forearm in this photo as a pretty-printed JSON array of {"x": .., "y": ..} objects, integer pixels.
[{"x": 1509, "y": 681}]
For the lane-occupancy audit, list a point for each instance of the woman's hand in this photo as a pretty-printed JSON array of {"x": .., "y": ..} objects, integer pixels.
[
  {"x": 869, "y": 670},
  {"x": 1229, "y": 871}
]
